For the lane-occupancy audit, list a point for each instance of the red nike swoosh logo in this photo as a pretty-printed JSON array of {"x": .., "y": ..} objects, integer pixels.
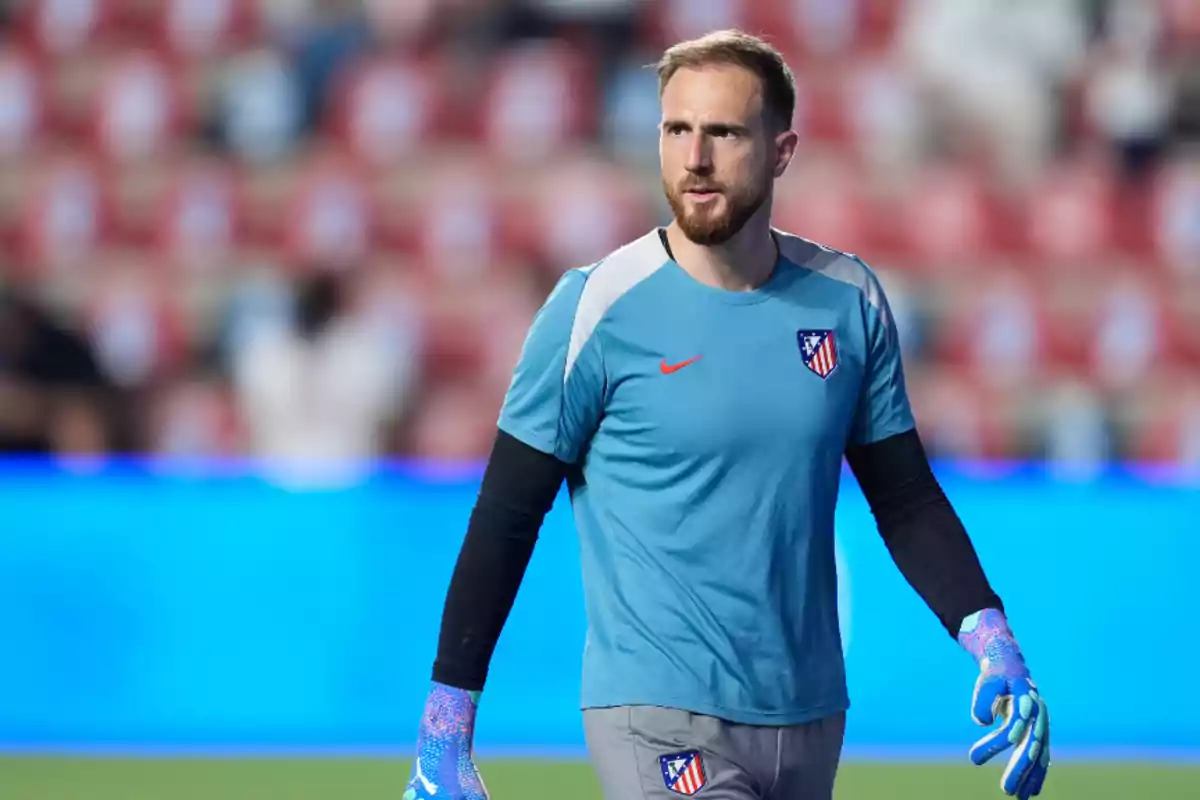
[{"x": 667, "y": 369}]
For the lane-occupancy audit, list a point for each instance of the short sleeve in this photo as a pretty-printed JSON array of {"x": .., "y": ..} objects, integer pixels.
[
  {"x": 555, "y": 399},
  {"x": 883, "y": 406}
]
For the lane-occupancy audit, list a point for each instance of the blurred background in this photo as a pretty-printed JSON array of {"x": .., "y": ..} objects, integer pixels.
[
  {"x": 203, "y": 201},
  {"x": 266, "y": 267}
]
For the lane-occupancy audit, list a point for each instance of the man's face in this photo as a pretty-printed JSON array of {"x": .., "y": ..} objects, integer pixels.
[{"x": 719, "y": 155}]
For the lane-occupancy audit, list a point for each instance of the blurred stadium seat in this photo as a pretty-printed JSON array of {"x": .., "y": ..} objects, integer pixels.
[{"x": 172, "y": 169}]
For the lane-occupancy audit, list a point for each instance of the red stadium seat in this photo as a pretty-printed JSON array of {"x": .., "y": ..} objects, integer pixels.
[
  {"x": 825, "y": 28},
  {"x": 454, "y": 422},
  {"x": 194, "y": 417},
  {"x": 960, "y": 417},
  {"x": 578, "y": 210},
  {"x": 455, "y": 216},
  {"x": 395, "y": 194},
  {"x": 61, "y": 216},
  {"x": 539, "y": 99},
  {"x": 196, "y": 221},
  {"x": 1130, "y": 335},
  {"x": 137, "y": 328},
  {"x": 475, "y": 331},
  {"x": 1167, "y": 425},
  {"x": 202, "y": 29},
  {"x": 261, "y": 192},
  {"x": 138, "y": 108},
  {"x": 71, "y": 85},
  {"x": 669, "y": 21},
  {"x": 390, "y": 292},
  {"x": 1182, "y": 18},
  {"x": 821, "y": 105},
  {"x": 995, "y": 327},
  {"x": 807, "y": 29},
  {"x": 880, "y": 111},
  {"x": 1175, "y": 218},
  {"x": 945, "y": 221},
  {"x": 504, "y": 324},
  {"x": 55, "y": 28},
  {"x": 822, "y": 198},
  {"x": 1068, "y": 217},
  {"x": 1071, "y": 300},
  {"x": 880, "y": 20},
  {"x": 21, "y": 103},
  {"x": 132, "y": 195},
  {"x": 457, "y": 317},
  {"x": 1184, "y": 310},
  {"x": 329, "y": 215},
  {"x": 1132, "y": 223},
  {"x": 404, "y": 23},
  {"x": 388, "y": 109}
]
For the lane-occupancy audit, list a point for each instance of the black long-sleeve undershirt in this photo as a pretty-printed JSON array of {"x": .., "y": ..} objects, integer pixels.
[
  {"x": 922, "y": 531},
  {"x": 519, "y": 487},
  {"x": 919, "y": 527}
]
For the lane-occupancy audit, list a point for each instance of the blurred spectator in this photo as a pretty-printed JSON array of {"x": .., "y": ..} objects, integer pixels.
[
  {"x": 317, "y": 392},
  {"x": 992, "y": 70},
  {"x": 52, "y": 396},
  {"x": 260, "y": 112},
  {"x": 337, "y": 35},
  {"x": 1129, "y": 95},
  {"x": 1077, "y": 431}
]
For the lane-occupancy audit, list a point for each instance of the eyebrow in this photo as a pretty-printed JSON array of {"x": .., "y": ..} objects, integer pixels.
[{"x": 709, "y": 128}]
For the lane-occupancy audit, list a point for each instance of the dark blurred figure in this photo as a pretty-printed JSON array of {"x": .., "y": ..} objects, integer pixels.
[{"x": 53, "y": 397}]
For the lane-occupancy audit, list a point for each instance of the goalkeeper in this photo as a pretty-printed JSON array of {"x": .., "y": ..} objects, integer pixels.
[{"x": 697, "y": 390}]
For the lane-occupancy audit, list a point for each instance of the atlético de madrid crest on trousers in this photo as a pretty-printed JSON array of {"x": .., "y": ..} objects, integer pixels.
[
  {"x": 683, "y": 773},
  {"x": 819, "y": 351}
]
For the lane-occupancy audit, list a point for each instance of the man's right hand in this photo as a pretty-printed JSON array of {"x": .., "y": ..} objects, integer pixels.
[{"x": 443, "y": 768}]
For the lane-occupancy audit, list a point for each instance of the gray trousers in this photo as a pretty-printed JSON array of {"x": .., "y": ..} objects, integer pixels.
[{"x": 651, "y": 753}]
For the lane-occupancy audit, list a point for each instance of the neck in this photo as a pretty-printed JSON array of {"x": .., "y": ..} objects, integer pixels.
[{"x": 743, "y": 263}]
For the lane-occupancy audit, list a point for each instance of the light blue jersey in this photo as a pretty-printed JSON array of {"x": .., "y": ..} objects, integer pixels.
[{"x": 709, "y": 428}]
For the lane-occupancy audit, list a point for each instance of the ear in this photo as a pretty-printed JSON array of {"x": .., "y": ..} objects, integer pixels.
[{"x": 785, "y": 148}]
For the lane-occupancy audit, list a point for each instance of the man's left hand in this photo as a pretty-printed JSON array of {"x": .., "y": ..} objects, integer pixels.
[{"x": 1005, "y": 691}]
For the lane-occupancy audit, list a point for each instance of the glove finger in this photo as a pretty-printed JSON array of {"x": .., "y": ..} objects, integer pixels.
[
  {"x": 993, "y": 744},
  {"x": 1028, "y": 745},
  {"x": 1016, "y": 716},
  {"x": 989, "y": 690},
  {"x": 1030, "y": 784},
  {"x": 1041, "y": 727},
  {"x": 1043, "y": 766},
  {"x": 1037, "y": 776}
]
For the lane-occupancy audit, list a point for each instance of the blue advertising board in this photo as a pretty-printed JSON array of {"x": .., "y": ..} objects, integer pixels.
[{"x": 214, "y": 610}]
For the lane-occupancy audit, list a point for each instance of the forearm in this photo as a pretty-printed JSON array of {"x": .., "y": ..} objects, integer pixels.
[
  {"x": 519, "y": 487},
  {"x": 936, "y": 557},
  {"x": 921, "y": 530},
  {"x": 487, "y": 576}
]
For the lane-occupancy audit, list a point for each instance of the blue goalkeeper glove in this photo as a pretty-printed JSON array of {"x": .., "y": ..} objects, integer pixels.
[
  {"x": 443, "y": 768},
  {"x": 1005, "y": 691}
]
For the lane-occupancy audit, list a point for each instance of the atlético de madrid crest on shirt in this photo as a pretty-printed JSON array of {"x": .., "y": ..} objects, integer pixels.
[
  {"x": 819, "y": 350},
  {"x": 683, "y": 772}
]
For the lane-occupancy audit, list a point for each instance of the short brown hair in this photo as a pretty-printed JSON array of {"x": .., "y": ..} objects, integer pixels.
[{"x": 744, "y": 50}]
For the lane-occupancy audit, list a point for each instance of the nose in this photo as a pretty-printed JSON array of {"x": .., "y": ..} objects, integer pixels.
[{"x": 699, "y": 155}]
